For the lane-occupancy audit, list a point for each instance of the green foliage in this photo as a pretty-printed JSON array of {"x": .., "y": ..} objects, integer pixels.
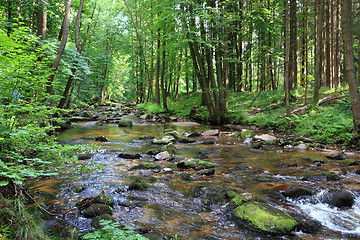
[{"x": 112, "y": 231}]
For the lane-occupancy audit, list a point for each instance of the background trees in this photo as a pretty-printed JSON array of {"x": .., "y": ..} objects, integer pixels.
[{"x": 157, "y": 50}]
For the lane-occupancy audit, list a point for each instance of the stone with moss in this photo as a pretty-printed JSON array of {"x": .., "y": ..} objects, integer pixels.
[
  {"x": 164, "y": 140},
  {"x": 265, "y": 217},
  {"x": 349, "y": 162},
  {"x": 97, "y": 209},
  {"x": 196, "y": 164},
  {"x": 138, "y": 184},
  {"x": 246, "y": 133},
  {"x": 331, "y": 176},
  {"x": 104, "y": 199},
  {"x": 125, "y": 123}
]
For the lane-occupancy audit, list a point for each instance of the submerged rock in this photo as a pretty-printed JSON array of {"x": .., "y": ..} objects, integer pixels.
[
  {"x": 125, "y": 123},
  {"x": 349, "y": 162},
  {"x": 146, "y": 165},
  {"x": 336, "y": 156}
]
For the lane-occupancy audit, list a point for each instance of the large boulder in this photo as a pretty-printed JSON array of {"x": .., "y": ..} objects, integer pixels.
[
  {"x": 265, "y": 217},
  {"x": 298, "y": 192},
  {"x": 338, "y": 198}
]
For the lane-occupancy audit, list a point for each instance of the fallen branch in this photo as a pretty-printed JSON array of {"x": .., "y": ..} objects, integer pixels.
[{"x": 322, "y": 101}]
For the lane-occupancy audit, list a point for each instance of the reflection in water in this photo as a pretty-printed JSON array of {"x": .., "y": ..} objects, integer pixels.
[{"x": 169, "y": 205}]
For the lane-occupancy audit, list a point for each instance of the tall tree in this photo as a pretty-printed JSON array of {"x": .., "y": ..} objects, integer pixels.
[
  {"x": 65, "y": 35},
  {"x": 347, "y": 24}
]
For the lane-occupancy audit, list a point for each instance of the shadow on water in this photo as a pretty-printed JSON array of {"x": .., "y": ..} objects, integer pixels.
[{"x": 174, "y": 204}]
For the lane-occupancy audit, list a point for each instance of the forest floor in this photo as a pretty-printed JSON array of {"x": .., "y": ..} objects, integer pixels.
[{"x": 331, "y": 124}]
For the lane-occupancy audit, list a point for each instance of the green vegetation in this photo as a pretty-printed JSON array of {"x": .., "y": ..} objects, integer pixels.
[{"x": 113, "y": 230}]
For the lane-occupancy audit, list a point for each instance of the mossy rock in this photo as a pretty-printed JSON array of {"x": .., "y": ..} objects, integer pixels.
[
  {"x": 97, "y": 209},
  {"x": 264, "y": 217},
  {"x": 196, "y": 164},
  {"x": 95, "y": 222},
  {"x": 349, "y": 162},
  {"x": 104, "y": 199},
  {"x": 245, "y": 133},
  {"x": 138, "y": 184},
  {"x": 242, "y": 198},
  {"x": 146, "y": 165},
  {"x": 331, "y": 176},
  {"x": 125, "y": 123},
  {"x": 164, "y": 140}
]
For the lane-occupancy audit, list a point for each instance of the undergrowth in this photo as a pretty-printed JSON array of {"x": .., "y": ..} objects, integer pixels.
[{"x": 331, "y": 123}]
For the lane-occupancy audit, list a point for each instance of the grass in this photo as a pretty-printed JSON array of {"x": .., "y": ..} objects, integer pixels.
[{"x": 331, "y": 123}]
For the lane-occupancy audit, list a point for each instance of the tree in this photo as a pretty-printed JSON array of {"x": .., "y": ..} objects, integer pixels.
[{"x": 347, "y": 25}]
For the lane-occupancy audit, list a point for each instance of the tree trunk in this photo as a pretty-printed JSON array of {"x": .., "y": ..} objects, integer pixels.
[
  {"x": 42, "y": 20},
  {"x": 286, "y": 63},
  {"x": 65, "y": 35},
  {"x": 157, "y": 79},
  {"x": 349, "y": 65},
  {"x": 318, "y": 50},
  {"x": 293, "y": 45},
  {"x": 162, "y": 80}
]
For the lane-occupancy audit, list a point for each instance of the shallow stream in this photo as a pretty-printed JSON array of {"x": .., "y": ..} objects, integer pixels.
[{"x": 174, "y": 205}]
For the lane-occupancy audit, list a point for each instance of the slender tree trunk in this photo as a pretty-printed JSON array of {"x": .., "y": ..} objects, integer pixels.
[
  {"x": 347, "y": 24},
  {"x": 65, "y": 35},
  {"x": 157, "y": 79},
  {"x": 286, "y": 63},
  {"x": 293, "y": 45},
  {"x": 318, "y": 50},
  {"x": 42, "y": 22},
  {"x": 162, "y": 80},
  {"x": 327, "y": 48}
]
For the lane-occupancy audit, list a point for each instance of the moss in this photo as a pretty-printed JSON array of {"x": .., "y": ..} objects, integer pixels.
[
  {"x": 331, "y": 176},
  {"x": 265, "y": 217},
  {"x": 104, "y": 199},
  {"x": 349, "y": 162},
  {"x": 150, "y": 165},
  {"x": 236, "y": 201},
  {"x": 138, "y": 184},
  {"x": 246, "y": 133},
  {"x": 196, "y": 164}
]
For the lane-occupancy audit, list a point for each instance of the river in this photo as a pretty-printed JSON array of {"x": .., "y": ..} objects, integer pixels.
[{"x": 176, "y": 204}]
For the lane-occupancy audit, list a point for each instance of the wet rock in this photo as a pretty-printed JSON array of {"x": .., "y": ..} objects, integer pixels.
[
  {"x": 138, "y": 184},
  {"x": 336, "y": 156},
  {"x": 314, "y": 177},
  {"x": 263, "y": 179},
  {"x": 298, "y": 192},
  {"x": 207, "y": 172},
  {"x": 242, "y": 198},
  {"x": 186, "y": 140},
  {"x": 265, "y": 217},
  {"x": 187, "y": 124},
  {"x": 210, "y": 133},
  {"x": 248, "y": 141},
  {"x": 129, "y": 155},
  {"x": 194, "y": 134},
  {"x": 240, "y": 168},
  {"x": 246, "y": 133},
  {"x": 78, "y": 189},
  {"x": 265, "y": 138},
  {"x": 164, "y": 140},
  {"x": 209, "y": 141},
  {"x": 146, "y": 165},
  {"x": 216, "y": 194},
  {"x": 103, "y": 199},
  {"x": 125, "y": 123},
  {"x": 301, "y": 147},
  {"x": 100, "y": 138},
  {"x": 349, "y": 162},
  {"x": 306, "y": 224},
  {"x": 153, "y": 151},
  {"x": 316, "y": 160},
  {"x": 84, "y": 156},
  {"x": 293, "y": 164},
  {"x": 196, "y": 164},
  {"x": 97, "y": 209},
  {"x": 164, "y": 156},
  {"x": 95, "y": 222},
  {"x": 357, "y": 172},
  {"x": 274, "y": 195},
  {"x": 146, "y": 137},
  {"x": 338, "y": 198},
  {"x": 170, "y": 147},
  {"x": 257, "y": 145},
  {"x": 132, "y": 204},
  {"x": 331, "y": 176}
]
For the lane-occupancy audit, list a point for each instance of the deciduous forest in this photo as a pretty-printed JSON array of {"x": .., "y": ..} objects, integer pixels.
[{"x": 283, "y": 65}]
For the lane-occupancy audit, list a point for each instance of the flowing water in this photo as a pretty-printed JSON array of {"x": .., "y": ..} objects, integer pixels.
[{"x": 173, "y": 204}]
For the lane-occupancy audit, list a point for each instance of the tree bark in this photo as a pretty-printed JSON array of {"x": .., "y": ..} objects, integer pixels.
[
  {"x": 65, "y": 35},
  {"x": 318, "y": 50},
  {"x": 349, "y": 65}
]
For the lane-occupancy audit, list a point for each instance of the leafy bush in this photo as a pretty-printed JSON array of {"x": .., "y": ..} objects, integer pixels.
[{"x": 112, "y": 230}]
